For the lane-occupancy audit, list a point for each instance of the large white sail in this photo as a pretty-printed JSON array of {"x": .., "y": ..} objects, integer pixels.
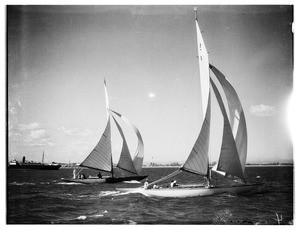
[
  {"x": 197, "y": 161},
  {"x": 203, "y": 68},
  {"x": 229, "y": 161},
  {"x": 106, "y": 99},
  {"x": 100, "y": 157},
  {"x": 236, "y": 114},
  {"x": 139, "y": 153}
]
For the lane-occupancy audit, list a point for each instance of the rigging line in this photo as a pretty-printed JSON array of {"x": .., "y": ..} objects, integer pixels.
[
  {"x": 166, "y": 177},
  {"x": 79, "y": 172}
]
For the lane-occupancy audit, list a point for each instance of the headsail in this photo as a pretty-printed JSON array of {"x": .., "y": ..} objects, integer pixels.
[
  {"x": 229, "y": 161},
  {"x": 139, "y": 154},
  {"x": 236, "y": 114},
  {"x": 100, "y": 157},
  {"x": 198, "y": 161},
  {"x": 125, "y": 161}
]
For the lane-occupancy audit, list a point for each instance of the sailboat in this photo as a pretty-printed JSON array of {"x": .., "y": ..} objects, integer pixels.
[
  {"x": 233, "y": 153},
  {"x": 100, "y": 157}
]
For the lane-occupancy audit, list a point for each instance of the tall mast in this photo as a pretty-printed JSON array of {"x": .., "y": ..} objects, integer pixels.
[{"x": 43, "y": 157}]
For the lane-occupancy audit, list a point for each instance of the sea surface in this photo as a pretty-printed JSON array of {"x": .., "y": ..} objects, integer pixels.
[{"x": 40, "y": 197}]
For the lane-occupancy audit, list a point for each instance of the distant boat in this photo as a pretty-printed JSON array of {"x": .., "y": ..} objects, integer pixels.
[
  {"x": 233, "y": 151},
  {"x": 14, "y": 164},
  {"x": 101, "y": 156}
]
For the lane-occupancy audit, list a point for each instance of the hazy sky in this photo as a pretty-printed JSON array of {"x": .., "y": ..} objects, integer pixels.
[{"x": 58, "y": 57}]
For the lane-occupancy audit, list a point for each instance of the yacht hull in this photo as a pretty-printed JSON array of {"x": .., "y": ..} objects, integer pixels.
[{"x": 191, "y": 191}]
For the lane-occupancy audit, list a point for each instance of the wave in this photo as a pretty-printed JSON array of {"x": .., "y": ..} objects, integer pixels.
[
  {"x": 81, "y": 218},
  {"x": 112, "y": 193},
  {"x": 45, "y": 183},
  {"x": 69, "y": 183},
  {"x": 21, "y": 183},
  {"x": 92, "y": 216},
  {"x": 132, "y": 182}
]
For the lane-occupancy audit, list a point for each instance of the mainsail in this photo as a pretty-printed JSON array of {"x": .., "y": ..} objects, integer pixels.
[
  {"x": 198, "y": 161},
  {"x": 100, "y": 157},
  {"x": 139, "y": 153},
  {"x": 203, "y": 68}
]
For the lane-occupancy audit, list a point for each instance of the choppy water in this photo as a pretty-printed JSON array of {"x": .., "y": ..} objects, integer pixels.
[{"x": 39, "y": 197}]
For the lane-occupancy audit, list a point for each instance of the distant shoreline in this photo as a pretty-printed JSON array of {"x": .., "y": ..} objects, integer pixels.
[
  {"x": 169, "y": 166},
  {"x": 254, "y": 165}
]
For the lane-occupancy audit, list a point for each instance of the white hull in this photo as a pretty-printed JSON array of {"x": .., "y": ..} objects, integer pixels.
[{"x": 191, "y": 192}]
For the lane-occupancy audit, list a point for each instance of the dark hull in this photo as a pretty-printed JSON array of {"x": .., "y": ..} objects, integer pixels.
[
  {"x": 35, "y": 167},
  {"x": 121, "y": 179},
  {"x": 110, "y": 180}
]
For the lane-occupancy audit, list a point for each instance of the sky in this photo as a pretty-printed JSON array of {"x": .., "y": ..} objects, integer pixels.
[{"x": 58, "y": 57}]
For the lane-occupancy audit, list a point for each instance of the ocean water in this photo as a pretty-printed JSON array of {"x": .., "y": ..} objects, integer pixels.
[{"x": 39, "y": 197}]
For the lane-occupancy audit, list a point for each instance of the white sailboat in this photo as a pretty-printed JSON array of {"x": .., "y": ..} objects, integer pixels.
[
  {"x": 233, "y": 151},
  {"x": 101, "y": 156}
]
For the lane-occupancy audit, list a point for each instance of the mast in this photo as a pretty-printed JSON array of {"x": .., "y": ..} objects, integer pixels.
[{"x": 43, "y": 158}]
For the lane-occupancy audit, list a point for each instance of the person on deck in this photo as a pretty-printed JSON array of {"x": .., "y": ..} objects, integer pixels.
[
  {"x": 99, "y": 175},
  {"x": 74, "y": 173},
  {"x": 156, "y": 187},
  {"x": 146, "y": 184},
  {"x": 174, "y": 184}
]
